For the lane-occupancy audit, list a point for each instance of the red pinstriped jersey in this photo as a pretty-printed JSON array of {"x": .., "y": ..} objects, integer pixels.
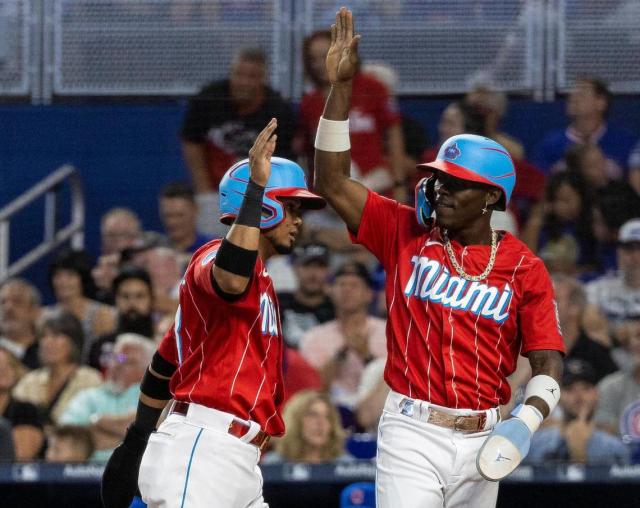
[
  {"x": 451, "y": 341},
  {"x": 229, "y": 354}
]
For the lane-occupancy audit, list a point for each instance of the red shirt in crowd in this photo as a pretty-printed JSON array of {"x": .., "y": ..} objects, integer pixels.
[{"x": 372, "y": 112}]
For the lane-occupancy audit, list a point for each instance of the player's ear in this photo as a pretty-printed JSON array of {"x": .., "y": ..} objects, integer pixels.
[{"x": 493, "y": 196}]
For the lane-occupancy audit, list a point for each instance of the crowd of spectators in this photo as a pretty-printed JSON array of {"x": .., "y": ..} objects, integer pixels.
[{"x": 69, "y": 371}]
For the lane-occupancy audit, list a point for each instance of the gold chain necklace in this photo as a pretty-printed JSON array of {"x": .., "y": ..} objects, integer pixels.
[{"x": 459, "y": 269}]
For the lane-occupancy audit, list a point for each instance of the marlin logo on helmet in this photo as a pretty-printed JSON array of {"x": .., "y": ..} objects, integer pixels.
[{"x": 452, "y": 151}]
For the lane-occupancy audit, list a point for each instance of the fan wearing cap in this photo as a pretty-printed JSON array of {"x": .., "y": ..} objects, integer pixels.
[
  {"x": 309, "y": 305},
  {"x": 463, "y": 301},
  {"x": 222, "y": 360},
  {"x": 617, "y": 295},
  {"x": 576, "y": 439}
]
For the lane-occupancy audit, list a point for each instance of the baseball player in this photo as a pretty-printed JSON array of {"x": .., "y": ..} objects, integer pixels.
[
  {"x": 463, "y": 300},
  {"x": 222, "y": 360}
]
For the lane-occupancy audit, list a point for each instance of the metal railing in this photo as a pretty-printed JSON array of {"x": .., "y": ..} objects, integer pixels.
[{"x": 54, "y": 235}]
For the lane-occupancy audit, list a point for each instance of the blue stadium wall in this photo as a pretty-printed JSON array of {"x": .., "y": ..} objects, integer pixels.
[{"x": 127, "y": 152}]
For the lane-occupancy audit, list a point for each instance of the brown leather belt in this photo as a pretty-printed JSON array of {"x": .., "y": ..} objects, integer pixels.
[
  {"x": 465, "y": 424},
  {"x": 236, "y": 428}
]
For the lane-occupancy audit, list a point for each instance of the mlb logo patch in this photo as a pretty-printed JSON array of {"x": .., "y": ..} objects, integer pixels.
[{"x": 452, "y": 151}]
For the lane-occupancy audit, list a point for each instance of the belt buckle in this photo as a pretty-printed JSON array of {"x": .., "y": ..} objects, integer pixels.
[{"x": 457, "y": 423}]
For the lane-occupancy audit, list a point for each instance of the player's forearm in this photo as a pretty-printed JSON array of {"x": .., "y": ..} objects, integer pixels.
[
  {"x": 548, "y": 363},
  {"x": 195, "y": 157},
  {"x": 333, "y": 167},
  {"x": 238, "y": 253}
]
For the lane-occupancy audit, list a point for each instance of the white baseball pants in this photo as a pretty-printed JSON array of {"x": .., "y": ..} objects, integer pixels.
[
  {"x": 193, "y": 462},
  {"x": 421, "y": 465}
]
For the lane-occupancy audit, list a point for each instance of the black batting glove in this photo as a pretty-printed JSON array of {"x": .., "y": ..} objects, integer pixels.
[{"x": 120, "y": 478}]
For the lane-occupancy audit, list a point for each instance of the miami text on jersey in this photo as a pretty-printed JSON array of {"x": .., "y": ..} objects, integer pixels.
[
  {"x": 431, "y": 281},
  {"x": 269, "y": 316}
]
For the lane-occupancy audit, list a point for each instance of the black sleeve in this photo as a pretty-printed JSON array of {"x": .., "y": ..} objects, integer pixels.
[
  {"x": 24, "y": 413},
  {"x": 201, "y": 112}
]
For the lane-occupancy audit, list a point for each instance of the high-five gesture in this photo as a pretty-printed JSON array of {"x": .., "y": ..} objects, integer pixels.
[
  {"x": 261, "y": 152},
  {"x": 342, "y": 58}
]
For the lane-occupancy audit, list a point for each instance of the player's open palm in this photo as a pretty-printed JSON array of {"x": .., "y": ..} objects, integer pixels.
[
  {"x": 261, "y": 152},
  {"x": 342, "y": 58}
]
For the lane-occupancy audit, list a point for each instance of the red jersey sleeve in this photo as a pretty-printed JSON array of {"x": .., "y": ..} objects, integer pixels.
[
  {"x": 168, "y": 348},
  {"x": 201, "y": 265},
  {"x": 538, "y": 312},
  {"x": 378, "y": 226}
]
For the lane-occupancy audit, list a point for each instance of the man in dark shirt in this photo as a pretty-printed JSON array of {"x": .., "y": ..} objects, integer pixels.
[
  {"x": 222, "y": 122},
  {"x": 310, "y": 304}
]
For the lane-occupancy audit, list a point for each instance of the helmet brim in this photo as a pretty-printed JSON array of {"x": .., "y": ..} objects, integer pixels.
[
  {"x": 456, "y": 171},
  {"x": 308, "y": 200}
]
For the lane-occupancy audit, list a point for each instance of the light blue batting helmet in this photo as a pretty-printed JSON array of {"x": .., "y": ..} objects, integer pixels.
[
  {"x": 287, "y": 180},
  {"x": 478, "y": 159}
]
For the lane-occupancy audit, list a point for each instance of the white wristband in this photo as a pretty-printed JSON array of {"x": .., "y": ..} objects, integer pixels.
[
  {"x": 544, "y": 387},
  {"x": 333, "y": 135},
  {"x": 530, "y": 415}
]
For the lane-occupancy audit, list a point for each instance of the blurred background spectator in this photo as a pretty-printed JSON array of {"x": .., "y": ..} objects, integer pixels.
[
  {"x": 565, "y": 216},
  {"x": 61, "y": 376},
  {"x": 22, "y": 418},
  {"x": 120, "y": 229},
  {"x": 314, "y": 434},
  {"x": 19, "y": 312},
  {"x": 620, "y": 389},
  {"x": 108, "y": 409},
  {"x": 179, "y": 213},
  {"x": 492, "y": 105},
  {"x": 221, "y": 123},
  {"x": 73, "y": 290},
  {"x": 309, "y": 305},
  {"x": 587, "y": 109},
  {"x": 584, "y": 329},
  {"x": 618, "y": 295},
  {"x": 69, "y": 443},
  {"x": 134, "y": 303},
  {"x": 341, "y": 348},
  {"x": 576, "y": 439}
]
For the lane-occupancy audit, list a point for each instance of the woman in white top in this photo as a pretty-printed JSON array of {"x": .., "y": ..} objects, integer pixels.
[{"x": 61, "y": 376}]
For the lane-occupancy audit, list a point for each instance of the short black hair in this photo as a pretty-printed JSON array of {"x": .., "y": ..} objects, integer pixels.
[
  {"x": 182, "y": 190},
  {"x": 129, "y": 272}
]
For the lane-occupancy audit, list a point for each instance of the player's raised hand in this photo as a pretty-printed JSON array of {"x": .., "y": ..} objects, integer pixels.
[
  {"x": 342, "y": 58},
  {"x": 261, "y": 152}
]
